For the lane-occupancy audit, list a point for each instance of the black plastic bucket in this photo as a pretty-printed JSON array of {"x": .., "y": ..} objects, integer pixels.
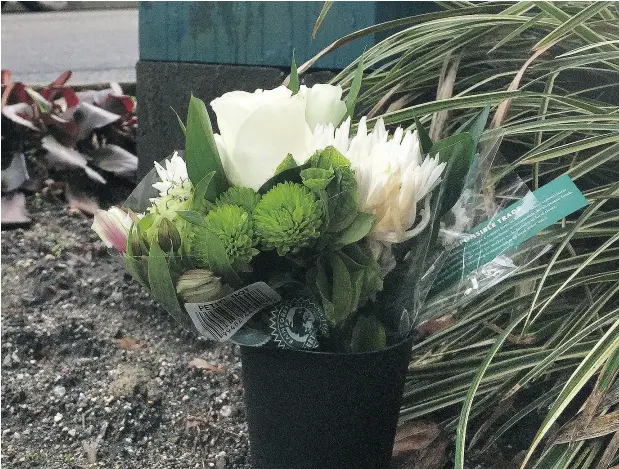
[{"x": 312, "y": 410}]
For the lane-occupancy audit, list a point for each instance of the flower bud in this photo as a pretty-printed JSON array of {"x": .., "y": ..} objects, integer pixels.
[
  {"x": 136, "y": 245},
  {"x": 168, "y": 236},
  {"x": 112, "y": 227},
  {"x": 198, "y": 286}
]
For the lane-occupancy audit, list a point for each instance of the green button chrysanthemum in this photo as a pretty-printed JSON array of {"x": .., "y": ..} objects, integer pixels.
[
  {"x": 288, "y": 218},
  {"x": 244, "y": 197},
  {"x": 234, "y": 227}
]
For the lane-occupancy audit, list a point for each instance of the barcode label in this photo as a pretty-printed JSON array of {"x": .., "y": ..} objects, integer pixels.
[{"x": 219, "y": 320}]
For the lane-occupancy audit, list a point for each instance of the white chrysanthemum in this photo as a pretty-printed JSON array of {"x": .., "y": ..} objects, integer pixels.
[
  {"x": 174, "y": 174},
  {"x": 392, "y": 175}
]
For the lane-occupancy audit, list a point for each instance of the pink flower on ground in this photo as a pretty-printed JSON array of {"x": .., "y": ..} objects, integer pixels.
[{"x": 113, "y": 226}]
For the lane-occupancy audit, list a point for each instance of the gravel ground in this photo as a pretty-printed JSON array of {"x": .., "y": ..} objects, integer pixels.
[{"x": 94, "y": 373}]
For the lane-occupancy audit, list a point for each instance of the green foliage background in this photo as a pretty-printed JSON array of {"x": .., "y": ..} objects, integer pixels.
[{"x": 543, "y": 347}]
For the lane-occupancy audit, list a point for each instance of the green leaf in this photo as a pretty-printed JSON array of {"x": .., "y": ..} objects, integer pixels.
[
  {"x": 317, "y": 179},
  {"x": 477, "y": 125},
  {"x": 368, "y": 335},
  {"x": 200, "y": 191},
  {"x": 161, "y": 285},
  {"x": 424, "y": 137},
  {"x": 600, "y": 353},
  {"x": 201, "y": 153},
  {"x": 357, "y": 230},
  {"x": 180, "y": 121},
  {"x": 294, "y": 77},
  {"x": 329, "y": 158},
  {"x": 214, "y": 254},
  {"x": 342, "y": 291},
  {"x": 568, "y": 26},
  {"x": 353, "y": 92},
  {"x": 318, "y": 277},
  {"x": 458, "y": 151},
  {"x": 323, "y": 14},
  {"x": 357, "y": 278},
  {"x": 342, "y": 200},
  {"x": 472, "y": 390},
  {"x": 287, "y": 175},
  {"x": 372, "y": 279},
  {"x": 145, "y": 223},
  {"x": 193, "y": 217},
  {"x": 288, "y": 163}
]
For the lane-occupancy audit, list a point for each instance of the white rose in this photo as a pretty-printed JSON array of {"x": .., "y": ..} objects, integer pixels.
[
  {"x": 324, "y": 104},
  {"x": 258, "y": 130}
]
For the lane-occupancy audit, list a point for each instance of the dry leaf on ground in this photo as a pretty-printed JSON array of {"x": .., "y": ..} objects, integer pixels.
[
  {"x": 204, "y": 365},
  {"x": 419, "y": 445},
  {"x": 128, "y": 343}
]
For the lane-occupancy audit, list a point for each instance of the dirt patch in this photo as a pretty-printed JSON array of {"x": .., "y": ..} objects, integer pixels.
[{"x": 94, "y": 373}]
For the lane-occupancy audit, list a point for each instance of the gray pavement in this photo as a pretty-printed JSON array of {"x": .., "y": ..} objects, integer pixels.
[{"x": 98, "y": 46}]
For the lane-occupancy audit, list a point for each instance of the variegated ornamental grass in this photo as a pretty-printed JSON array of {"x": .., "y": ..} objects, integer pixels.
[{"x": 551, "y": 72}]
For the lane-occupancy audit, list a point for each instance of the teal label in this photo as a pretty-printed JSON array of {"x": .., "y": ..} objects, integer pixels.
[{"x": 506, "y": 231}]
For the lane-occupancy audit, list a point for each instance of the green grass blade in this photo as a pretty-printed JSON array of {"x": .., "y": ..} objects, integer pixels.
[
  {"x": 602, "y": 351},
  {"x": 321, "y": 17}
]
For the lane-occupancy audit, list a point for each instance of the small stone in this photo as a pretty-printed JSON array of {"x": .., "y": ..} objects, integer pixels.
[
  {"x": 220, "y": 460},
  {"x": 185, "y": 398},
  {"x": 58, "y": 417},
  {"x": 15, "y": 358},
  {"x": 116, "y": 297},
  {"x": 60, "y": 391},
  {"x": 127, "y": 379},
  {"x": 226, "y": 411},
  {"x": 16, "y": 436},
  {"x": 72, "y": 432}
]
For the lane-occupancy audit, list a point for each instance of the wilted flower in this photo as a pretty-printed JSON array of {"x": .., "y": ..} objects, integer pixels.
[
  {"x": 198, "y": 286},
  {"x": 113, "y": 226},
  {"x": 288, "y": 218},
  {"x": 258, "y": 130}
]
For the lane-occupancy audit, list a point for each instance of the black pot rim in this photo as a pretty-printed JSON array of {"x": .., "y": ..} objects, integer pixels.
[{"x": 252, "y": 349}]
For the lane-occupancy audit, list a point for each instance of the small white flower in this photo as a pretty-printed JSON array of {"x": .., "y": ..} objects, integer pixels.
[{"x": 174, "y": 174}]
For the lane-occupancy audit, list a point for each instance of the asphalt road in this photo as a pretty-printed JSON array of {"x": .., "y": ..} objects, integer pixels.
[{"x": 98, "y": 46}]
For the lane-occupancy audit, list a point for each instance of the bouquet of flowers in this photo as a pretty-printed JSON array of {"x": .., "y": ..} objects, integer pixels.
[
  {"x": 284, "y": 228},
  {"x": 295, "y": 231}
]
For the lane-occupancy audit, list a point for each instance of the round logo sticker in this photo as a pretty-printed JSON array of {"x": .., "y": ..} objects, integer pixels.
[{"x": 297, "y": 323}]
